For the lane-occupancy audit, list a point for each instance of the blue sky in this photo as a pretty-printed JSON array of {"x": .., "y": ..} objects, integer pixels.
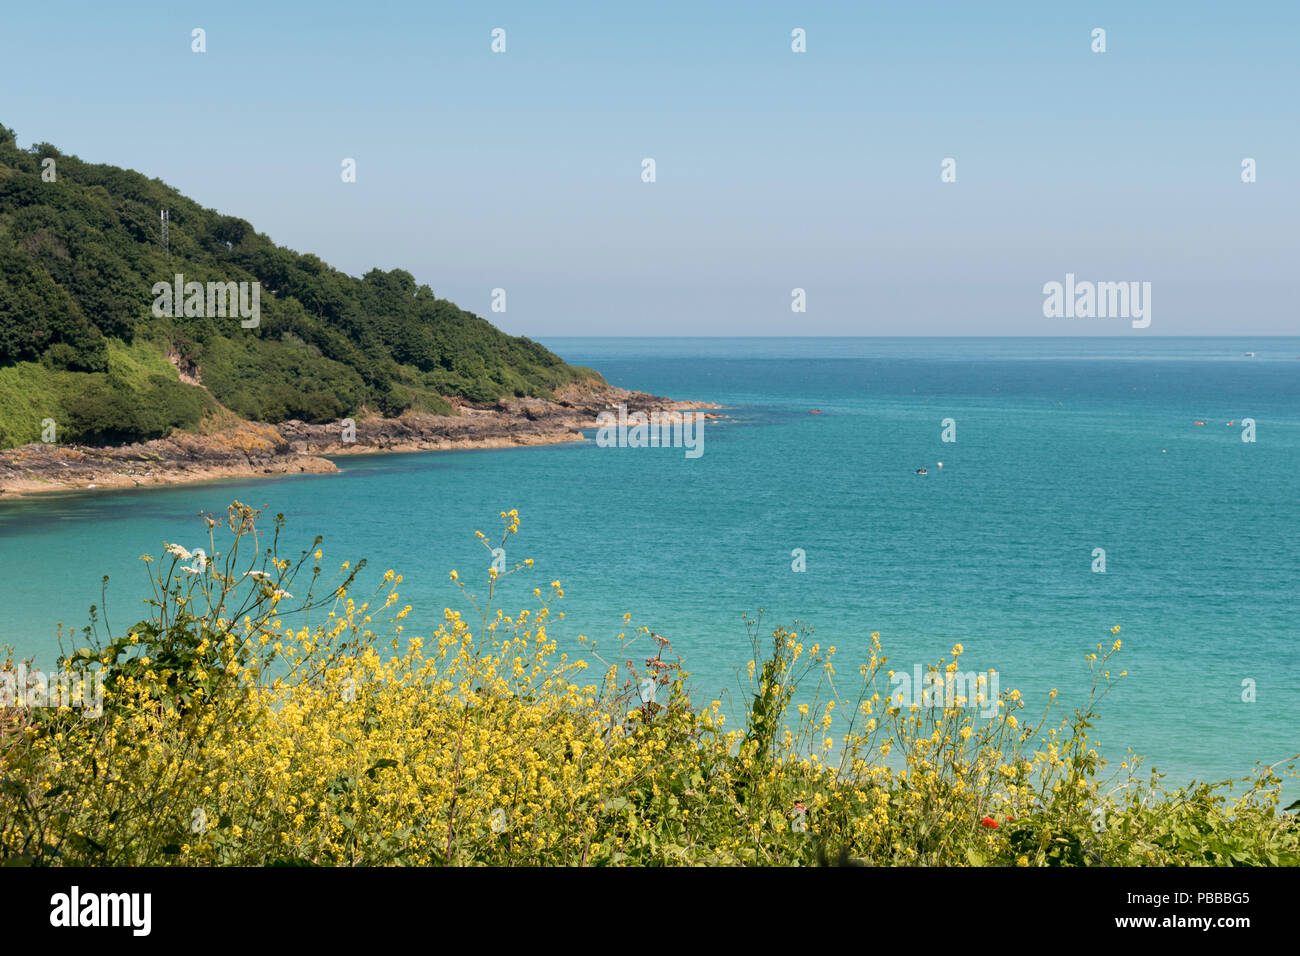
[{"x": 775, "y": 170}]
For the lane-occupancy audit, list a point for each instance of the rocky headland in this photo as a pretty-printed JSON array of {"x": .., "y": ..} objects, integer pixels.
[{"x": 252, "y": 449}]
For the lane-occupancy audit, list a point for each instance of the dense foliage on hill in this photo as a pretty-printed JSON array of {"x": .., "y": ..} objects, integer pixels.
[{"x": 80, "y": 254}]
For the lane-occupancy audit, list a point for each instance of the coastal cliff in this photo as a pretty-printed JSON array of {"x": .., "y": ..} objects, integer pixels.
[{"x": 130, "y": 314}]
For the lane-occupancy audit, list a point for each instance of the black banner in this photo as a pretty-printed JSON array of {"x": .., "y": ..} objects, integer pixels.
[{"x": 337, "y": 906}]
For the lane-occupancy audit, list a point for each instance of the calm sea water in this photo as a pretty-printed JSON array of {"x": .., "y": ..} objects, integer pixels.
[{"x": 1063, "y": 446}]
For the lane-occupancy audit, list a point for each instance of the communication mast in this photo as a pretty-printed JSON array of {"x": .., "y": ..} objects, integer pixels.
[{"x": 166, "y": 250}]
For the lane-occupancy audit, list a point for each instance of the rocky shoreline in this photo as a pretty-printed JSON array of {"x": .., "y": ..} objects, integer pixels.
[{"x": 252, "y": 449}]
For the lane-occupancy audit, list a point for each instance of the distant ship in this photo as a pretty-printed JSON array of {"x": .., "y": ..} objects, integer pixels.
[{"x": 1250, "y": 355}]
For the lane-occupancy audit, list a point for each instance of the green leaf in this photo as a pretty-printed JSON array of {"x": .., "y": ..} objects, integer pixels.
[{"x": 382, "y": 764}]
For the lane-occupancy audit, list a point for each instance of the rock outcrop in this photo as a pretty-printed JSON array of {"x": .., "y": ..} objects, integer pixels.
[{"x": 251, "y": 449}]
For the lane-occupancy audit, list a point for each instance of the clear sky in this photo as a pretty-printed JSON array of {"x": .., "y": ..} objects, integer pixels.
[{"x": 775, "y": 169}]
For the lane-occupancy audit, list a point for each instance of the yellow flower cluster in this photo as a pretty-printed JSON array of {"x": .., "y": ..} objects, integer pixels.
[{"x": 237, "y": 730}]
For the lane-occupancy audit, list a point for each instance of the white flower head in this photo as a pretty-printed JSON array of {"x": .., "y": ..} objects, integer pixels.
[{"x": 647, "y": 690}]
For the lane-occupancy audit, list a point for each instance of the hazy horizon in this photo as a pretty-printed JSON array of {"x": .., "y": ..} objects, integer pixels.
[{"x": 1239, "y": 335}]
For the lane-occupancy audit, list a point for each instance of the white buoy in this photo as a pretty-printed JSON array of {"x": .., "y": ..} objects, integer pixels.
[{"x": 940, "y": 464}]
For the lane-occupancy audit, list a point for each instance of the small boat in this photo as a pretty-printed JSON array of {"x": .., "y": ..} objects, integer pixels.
[
  {"x": 814, "y": 411},
  {"x": 1250, "y": 355},
  {"x": 921, "y": 471}
]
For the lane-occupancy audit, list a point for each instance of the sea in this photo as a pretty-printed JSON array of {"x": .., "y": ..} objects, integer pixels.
[{"x": 1086, "y": 483}]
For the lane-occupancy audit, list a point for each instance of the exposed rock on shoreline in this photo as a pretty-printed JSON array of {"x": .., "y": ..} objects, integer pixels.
[
  {"x": 509, "y": 422},
  {"x": 254, "y": 450}
]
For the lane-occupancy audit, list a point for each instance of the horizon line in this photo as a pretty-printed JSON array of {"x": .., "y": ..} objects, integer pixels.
[{"x": 1244, "y": 335}]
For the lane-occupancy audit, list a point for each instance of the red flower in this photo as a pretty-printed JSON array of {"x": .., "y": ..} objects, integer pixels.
[
  {"x": 1011, "y": 819},
  {"x": 990, "y": 823}
]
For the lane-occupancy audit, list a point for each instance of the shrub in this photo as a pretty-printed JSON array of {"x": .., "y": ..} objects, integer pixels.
[{"x": 109, "y": 412}]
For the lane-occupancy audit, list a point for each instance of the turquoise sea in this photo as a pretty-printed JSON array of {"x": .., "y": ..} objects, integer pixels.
[{"x": 1062, "y": 446}]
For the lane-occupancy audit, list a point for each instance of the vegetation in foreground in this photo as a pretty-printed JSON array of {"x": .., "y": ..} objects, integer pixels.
[{"x": 236, "y": 731}]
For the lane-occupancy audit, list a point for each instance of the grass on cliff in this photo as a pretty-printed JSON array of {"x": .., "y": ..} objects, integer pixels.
[
  {"x": 241, "y": 724},
  {"x": 138, "y": 396}
]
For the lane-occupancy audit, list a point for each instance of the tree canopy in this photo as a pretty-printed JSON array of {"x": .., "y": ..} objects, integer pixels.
[{"x": 80, "y": 253}]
